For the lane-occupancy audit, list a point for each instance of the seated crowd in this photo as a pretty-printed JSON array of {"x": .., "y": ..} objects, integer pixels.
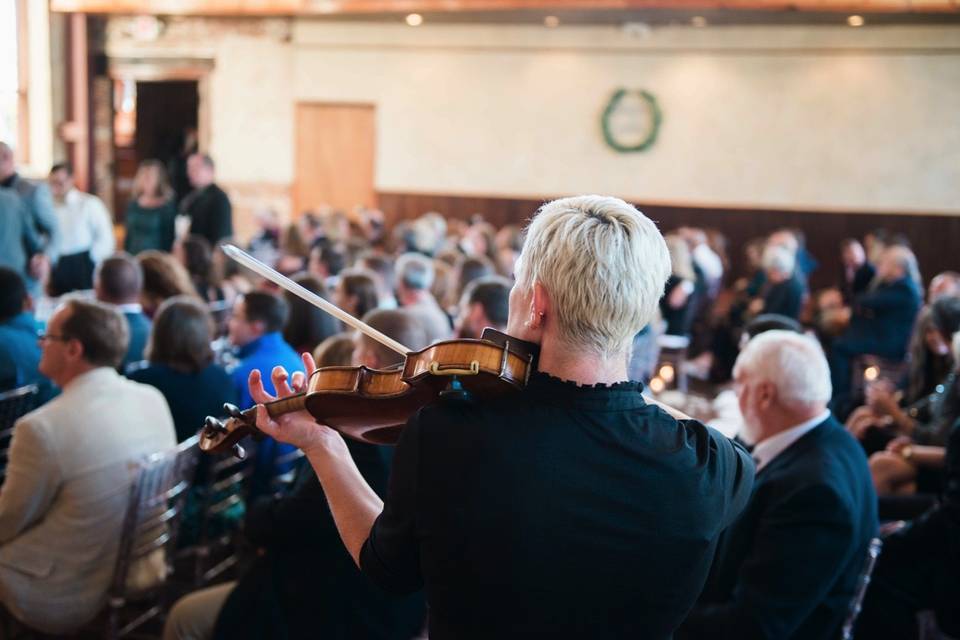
[{"x": 842, "y": 395}]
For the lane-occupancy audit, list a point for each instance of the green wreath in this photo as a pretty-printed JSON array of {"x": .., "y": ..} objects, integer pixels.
[{"x": 608, "y": 135}]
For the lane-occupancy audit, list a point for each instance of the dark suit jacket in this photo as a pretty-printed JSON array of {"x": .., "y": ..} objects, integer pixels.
[
  {"x": 785, "y": 298},
  {"x": 139, "y": 332},
  {"x": 882, "y": 320},
  {"x": 787, "y": 568}
]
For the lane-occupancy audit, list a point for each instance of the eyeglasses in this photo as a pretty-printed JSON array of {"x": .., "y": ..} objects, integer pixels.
[{"x": 41, "y": 336}]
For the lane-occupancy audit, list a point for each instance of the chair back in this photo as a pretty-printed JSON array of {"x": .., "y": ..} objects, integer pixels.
[
  {"x": 873, "y": 551},
  {"x": 13, "y": 405},
  {"x": 150, "y": 529}
]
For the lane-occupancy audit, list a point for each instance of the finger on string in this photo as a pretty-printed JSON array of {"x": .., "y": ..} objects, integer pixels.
[
  {"x": 298, "y": 381},
  {"x": 280, "y": 376},
  {"x": 309, "y": 365},
  {"x": 257, "y": 391}
]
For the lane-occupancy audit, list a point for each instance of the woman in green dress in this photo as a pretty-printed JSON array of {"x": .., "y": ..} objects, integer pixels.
[{"x": 151, "y": 213}]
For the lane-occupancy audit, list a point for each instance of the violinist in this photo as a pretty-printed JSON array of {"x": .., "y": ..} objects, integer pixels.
[{"x": 572, "y": 508}]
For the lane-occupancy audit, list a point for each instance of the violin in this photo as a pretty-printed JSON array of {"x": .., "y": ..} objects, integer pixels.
[{"x": 373, "y": 405}]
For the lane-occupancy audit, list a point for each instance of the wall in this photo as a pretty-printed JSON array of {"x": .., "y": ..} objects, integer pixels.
[{"x": 810, "y": 118}]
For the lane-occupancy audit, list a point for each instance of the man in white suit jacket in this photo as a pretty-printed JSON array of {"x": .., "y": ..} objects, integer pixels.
[{"x": 70, "y": 469}]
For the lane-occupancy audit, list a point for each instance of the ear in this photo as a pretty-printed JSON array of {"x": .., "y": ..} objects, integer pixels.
[
  {"x": 74, "y": 349},
  {"x": 539, "y": 306},
  {"x": 766, "y": 394}
]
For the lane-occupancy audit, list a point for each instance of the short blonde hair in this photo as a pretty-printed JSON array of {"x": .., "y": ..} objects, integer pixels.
[{"x": 604, "y": 265}]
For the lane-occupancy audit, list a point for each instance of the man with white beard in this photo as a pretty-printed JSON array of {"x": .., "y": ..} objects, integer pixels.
[{"x": 788, "y": 566}]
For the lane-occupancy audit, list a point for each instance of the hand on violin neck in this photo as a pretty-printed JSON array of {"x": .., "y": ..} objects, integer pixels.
[{"x": 298, "y": 428}]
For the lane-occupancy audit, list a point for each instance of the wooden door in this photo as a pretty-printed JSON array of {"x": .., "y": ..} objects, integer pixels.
[{"x": 334, "y": 162}]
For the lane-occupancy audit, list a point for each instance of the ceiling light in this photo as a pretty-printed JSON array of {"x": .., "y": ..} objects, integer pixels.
[
  {"x": 414, "y": 19},
  {"x": 698, "y": 21},
  {"x": 855, "y": 21},
  {"x": 551, "y": 22}
]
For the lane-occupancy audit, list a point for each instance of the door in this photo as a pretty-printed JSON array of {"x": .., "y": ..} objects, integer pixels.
[{"x": 334, "y": 161}]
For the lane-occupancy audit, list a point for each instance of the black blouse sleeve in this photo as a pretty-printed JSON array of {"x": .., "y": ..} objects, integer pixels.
[{"x": 391, "y": 555}]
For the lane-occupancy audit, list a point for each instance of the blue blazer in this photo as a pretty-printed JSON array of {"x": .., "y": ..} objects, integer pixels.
[{"x": 787, "y": 568}]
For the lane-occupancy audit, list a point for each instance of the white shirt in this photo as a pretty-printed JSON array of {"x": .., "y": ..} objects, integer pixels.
[
  {"x": 85, "y": 225},
  {"x": 707, "y": 259},
  {"x": 768, "y": 449}
]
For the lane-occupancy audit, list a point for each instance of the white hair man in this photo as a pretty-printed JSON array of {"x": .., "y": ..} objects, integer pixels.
[
  {"x": 783, "y": 291},
  {"x": 788, "y": 566},
  {"x": 415, "y": 274},
  {"x": 572, "y": 507}
]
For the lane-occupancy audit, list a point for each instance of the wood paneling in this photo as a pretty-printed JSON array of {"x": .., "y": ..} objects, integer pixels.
[
  {"x": 933, "y": 237},
  {"x": 333, "y": 7},
  {"x": 334, "y": 156}
]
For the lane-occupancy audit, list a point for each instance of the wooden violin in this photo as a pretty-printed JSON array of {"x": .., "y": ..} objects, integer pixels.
[{"x": 373, "y": 405}]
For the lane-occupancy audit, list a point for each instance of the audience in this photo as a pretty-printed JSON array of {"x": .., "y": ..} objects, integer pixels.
[
  {"x": 307, "y": 326},
  {"x": 298, "y": 540},
  {"x": 195, "y": 255},
  {"x": 180, "y": 365},
  {"x": 357, "y": 292},
  {"x": 413, "y": 281},
  {"x": 86, "y": 232},
  {"x": 335, "y": 351},
  {"x": 485, "y": 303},
  {"x": 38, "y": 207},
  {"x": 119, "y": 281},
  {"x": 881, "y": 322},
  {"x": 68, "y": 476},
  {"x": 151, "y": 214},
  {"x": 163, "y": 277},
  {"x": 783, "y": 290},
  {"x": 788, "y": 566},
  {"x": 19, "y": 350},
  {"x": 209, "y": 209},
  {"x": 857, "y": 272},
  {"x": 679, "y": 301}
]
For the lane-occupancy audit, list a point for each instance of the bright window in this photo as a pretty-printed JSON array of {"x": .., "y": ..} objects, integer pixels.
[{"x": 9, "y": 97}]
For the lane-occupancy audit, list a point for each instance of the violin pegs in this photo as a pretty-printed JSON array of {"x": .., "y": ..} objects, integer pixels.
[
  {"x": 213, "y": 426},
  {"x": 232, "y": 410},
  {"x": 239, "y": 452}
]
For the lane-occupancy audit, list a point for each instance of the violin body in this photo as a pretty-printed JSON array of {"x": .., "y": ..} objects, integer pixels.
[{"x": 373, "y": 405}]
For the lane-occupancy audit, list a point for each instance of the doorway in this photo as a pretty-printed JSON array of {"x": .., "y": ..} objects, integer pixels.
[
  {"x": 334, "y": 156},
  {"x": 153, "y": 120}
]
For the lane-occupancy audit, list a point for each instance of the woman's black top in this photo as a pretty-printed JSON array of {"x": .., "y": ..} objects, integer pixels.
[{"x": 560, "y": 511}]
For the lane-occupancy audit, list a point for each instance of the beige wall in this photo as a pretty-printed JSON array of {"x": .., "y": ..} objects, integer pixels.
[{"x": 813, "y": 118}]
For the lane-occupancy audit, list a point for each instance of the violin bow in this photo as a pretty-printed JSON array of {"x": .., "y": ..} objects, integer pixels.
[{"x": 286, "y": 283}]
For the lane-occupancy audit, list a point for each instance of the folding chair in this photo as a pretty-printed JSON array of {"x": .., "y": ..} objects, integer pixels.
[
  {"x": 13, "y": 405},
  {"x": 856, "y": 603}
]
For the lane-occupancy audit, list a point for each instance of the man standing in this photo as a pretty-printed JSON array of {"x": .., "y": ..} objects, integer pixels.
[
  {"x": 70, "y": 469},
  {"x": 19, "y": 241},
  {"x": 119, "y": 281},
  {"x": 207, "y": 205},
  {"x": 86, "y": 232},
  {"x": 39, "y": 209},
  {"x": 788, "y": 567}
]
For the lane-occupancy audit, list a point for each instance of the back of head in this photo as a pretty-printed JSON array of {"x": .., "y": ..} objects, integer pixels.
[
  {"x": 945, "y": 316},
  {"x": 197, "y": 255},
  {"x": 362, "y": 285},
  {"x": 270, "y": 310},
  {"x": 771, "y": 322},
  {"x": 471, "y": 269},
  {"x": 335, "y": 351},
  {"x": 794, "y": 363},
  {"x": 399, "y": 325},
  {"x": 306, "y": 325},
  {"x": 944, "y": 284},
  {"x": 119, "y": 279},
  {"x": 898, "y": 261},
  {"x": 779, "y": 259},
  {"x": 493, "y": 294},
  {"x": 604, "y": 265},
  {"x": 163, "y": 276},
  {"x": 181, "y": 334},
  {"x": 415, "y": 272},
  {"x": 13, "y": 294},
  {"x": 100, "y": 328}
]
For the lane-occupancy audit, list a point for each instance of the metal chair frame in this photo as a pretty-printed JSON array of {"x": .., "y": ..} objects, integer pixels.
[{"x": 863, "y": 582}]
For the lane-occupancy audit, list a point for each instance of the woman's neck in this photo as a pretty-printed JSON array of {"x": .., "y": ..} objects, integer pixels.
[{"x": 584, "y": 368}]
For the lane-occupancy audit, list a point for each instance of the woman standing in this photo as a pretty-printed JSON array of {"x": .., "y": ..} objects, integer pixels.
[{"x": 151, "y": 213}]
